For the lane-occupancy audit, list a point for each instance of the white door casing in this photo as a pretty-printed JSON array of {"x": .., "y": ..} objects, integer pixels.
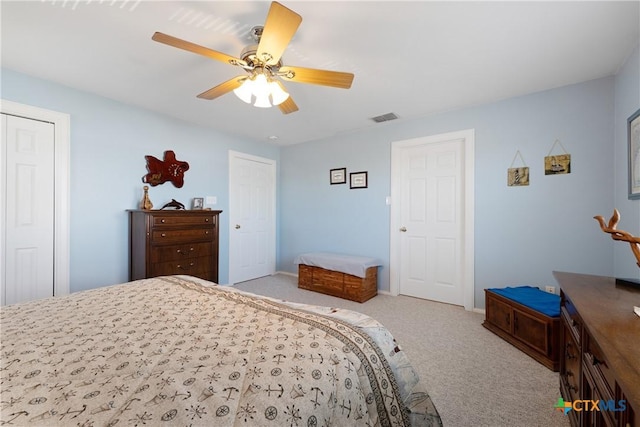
[
  {"x": 59, "y": 180},
  {"x": 432, "y": 202},
  {"x": 252, "y": 205}
]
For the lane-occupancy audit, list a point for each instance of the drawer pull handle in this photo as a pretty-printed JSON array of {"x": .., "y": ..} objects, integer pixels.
[
  {"x": 206, "y": 220},
  {"x": 597, "y": 361},
  {"x": 206, "y": 232},
  {"x": 162, "y": 221},
  {"x": 163, "y": 235},
  {"x": 185, "y": 268},
  {"x": 567, "y": 352}
]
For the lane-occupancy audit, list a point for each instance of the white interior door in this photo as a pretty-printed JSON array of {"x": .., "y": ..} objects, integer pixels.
[
  {"x": 251, "y": 217},
  {"x": 28, "y": 217},
  {"x": 430, "y": 236}
]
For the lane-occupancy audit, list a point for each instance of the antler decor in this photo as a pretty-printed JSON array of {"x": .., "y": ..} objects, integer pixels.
[{"x": 634, "y": 242}]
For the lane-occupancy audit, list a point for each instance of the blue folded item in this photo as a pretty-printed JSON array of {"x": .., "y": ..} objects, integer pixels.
[{"x": 532, "y": 297}]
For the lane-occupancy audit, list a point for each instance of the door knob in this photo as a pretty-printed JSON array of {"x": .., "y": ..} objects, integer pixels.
[
  {"x": 403, "y": 229},
  {"x": 237, "y": 226}
]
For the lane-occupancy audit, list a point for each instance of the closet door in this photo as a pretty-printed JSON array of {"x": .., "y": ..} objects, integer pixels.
[{"x": 27, "y": 164}]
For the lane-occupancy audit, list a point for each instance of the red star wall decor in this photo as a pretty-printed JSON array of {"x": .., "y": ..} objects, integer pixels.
[{"x": 168, "y": 169}]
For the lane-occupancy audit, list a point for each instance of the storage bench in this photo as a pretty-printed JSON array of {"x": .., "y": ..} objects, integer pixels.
[
  {"x": 527, "y": 318},
  {"x": 345, "y": 276}
]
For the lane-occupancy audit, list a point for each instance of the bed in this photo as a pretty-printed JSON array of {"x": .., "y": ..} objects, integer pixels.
[{"x": 181, "y": 351}]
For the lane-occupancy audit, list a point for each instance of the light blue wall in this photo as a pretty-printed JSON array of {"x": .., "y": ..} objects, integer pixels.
[
  {"x": 108, "y": 143},
  {"x": 627, "y": 97},
  {"x": 522, "y": 234}
]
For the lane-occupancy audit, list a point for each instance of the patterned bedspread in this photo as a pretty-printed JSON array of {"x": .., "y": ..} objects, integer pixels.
[{"x": 178, "y": 351}]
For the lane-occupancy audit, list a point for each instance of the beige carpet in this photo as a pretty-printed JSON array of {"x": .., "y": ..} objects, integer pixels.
[{"x": 474, "y": 377}]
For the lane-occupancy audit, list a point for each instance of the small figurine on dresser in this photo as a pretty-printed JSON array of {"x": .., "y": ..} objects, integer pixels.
[
  {"x": 146, "y": 202},
  {"x": 173, "y": 204}
]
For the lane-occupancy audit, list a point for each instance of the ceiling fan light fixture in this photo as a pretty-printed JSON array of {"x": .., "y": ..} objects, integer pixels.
[
  {"x": 245, "y": 91},
  {"x": 261, "y": 91},
  {"x": 262, "y": 101},
  {"x": 278, "y": 96},
  {"x": 267, "y": 92}
]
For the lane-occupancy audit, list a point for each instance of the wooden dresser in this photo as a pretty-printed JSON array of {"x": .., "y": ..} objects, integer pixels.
[
  {"x": 600, "y": 358},
  {"x": 166, "y": 242}
]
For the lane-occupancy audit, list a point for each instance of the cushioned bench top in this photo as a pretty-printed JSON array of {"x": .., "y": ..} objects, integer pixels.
[
  {"x": 349, "y": 264},
  {"x": 532, "y": 297}
]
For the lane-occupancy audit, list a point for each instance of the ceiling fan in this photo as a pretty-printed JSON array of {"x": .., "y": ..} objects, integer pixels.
[{"x": 263, "y": 64}]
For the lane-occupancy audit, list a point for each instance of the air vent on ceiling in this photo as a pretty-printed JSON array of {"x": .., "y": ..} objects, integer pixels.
[{"x": 384, "y": 117}]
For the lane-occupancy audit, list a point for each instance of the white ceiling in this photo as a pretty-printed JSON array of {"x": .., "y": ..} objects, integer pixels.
[{"x": 411, "y": 58}]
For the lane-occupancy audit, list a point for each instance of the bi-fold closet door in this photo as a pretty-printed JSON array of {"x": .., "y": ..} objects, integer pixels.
[{"x": 27, "y": 217}]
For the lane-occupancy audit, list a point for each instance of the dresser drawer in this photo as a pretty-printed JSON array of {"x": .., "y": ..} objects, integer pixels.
[
  {"x": 570, "y": 314},
  {"x": 600, "y": 371},
  {"x": 180, "y": 252},
  {"x": 182, "y": 220},
  {"x": 570, "y": 370},
  {"x": 179, "y": 236},
  {"x": 199, "y": 267}
]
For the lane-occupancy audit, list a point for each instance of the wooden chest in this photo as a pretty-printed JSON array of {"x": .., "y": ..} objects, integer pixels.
[
  {"x": 339, "y": 284},
  {"x": 533, "y": 332},
  {"x": 164, "y": 243}
]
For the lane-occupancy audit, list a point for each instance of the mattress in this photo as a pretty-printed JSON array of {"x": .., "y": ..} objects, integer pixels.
[{"x": 180, "y": 351}]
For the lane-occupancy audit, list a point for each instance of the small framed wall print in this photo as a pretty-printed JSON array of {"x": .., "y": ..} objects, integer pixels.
[
  {"x": 358, "y": 180},
  {"x": 197, "y": 203},
  {"x": 518, "y": 177},
  {"x": 338, "y": 176}
]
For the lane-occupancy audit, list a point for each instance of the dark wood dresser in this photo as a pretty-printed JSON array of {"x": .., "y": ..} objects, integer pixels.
[
  {"x": 600, "y": 359},
  {"x": 166, "y": 242}
]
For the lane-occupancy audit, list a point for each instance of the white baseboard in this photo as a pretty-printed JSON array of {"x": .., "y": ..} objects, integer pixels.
[
  {"x": 480, "y": 310},
  {"x": 286, "y": 273}
]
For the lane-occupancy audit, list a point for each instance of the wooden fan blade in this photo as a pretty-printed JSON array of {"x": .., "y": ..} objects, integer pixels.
[
  {"x": 200, "y": 50},
  {"x": 279, "y": 28},
  {"x": 288, "y": 106},
  {"x": 223, "y": 88},
  {"x": 318, "y": 77}
]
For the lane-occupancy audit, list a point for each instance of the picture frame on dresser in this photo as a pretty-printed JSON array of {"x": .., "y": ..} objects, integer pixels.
[
  {"x": 197, "y": 203},
  {"x": 633, "y": 135}
]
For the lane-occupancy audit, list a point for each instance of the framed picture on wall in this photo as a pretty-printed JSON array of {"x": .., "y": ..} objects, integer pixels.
[
  {"x": 633, "y": 132},
  {"x": 338, "y": 176},
  {"x": 358, "y": 180}
]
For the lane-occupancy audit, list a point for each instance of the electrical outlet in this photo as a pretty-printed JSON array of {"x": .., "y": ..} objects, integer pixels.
[{"x": 550, "y": 289}]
